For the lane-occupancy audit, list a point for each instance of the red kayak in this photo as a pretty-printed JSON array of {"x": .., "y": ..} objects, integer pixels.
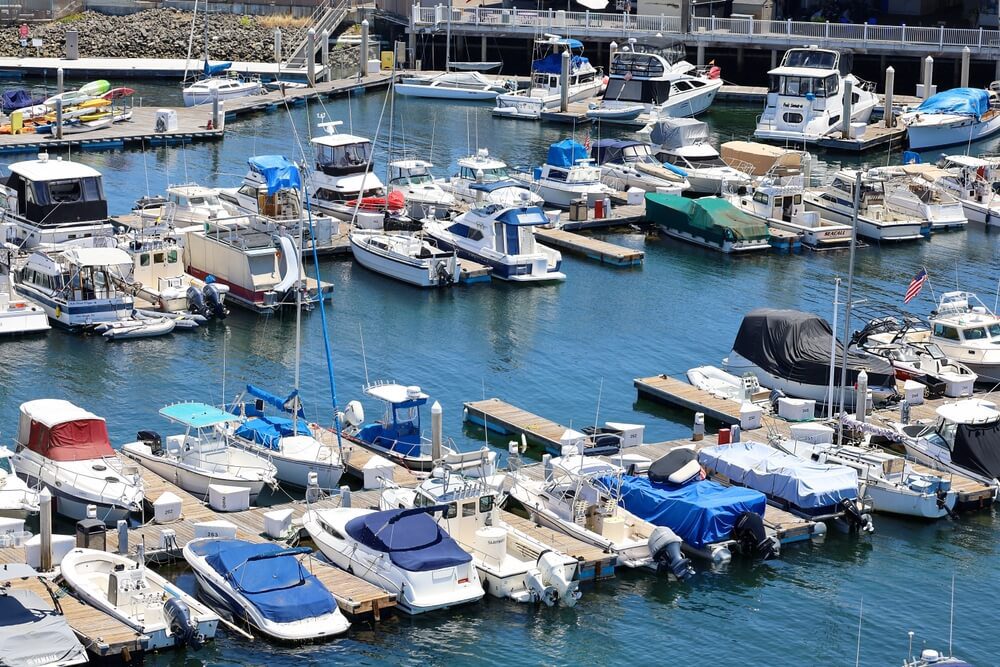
[
  {"x": 370, "y": 204},
  {"x": 116, "y": 93}
]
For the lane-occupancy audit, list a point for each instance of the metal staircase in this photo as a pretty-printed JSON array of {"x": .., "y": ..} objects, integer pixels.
[{"x": 327, "y": 17}]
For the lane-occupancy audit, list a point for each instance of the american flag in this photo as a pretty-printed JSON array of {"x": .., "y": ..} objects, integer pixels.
[
  {"x": 586, "y": 143},
  {"x": 915, "y": 285}
]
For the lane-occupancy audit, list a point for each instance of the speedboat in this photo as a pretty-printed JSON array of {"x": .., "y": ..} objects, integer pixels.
[
  {"x": 406, "y": 257},
  {"x": 511, "y": 563},
  {"x": 725, "y": 385},
  {"x": 570, "y": 501},
  {"x": 483, "y": 180},
  {"x": 545, "y": 91},
  {"x": 805, "y": 97},
  {"x": 971, "y": 179},
  {"x": 203, "y": 454},
  {"x": 34, "y": 632},
  {"x": 501, "y": 237},
  {"x": 424, "y": 195},
  {"x": 138, "y": 597},
  {"x": 789, "y": 350},
  {"x": 683, "y": 142},
  {"x": 567, "y": 175},
  {"x": 183, "y": 206},
  {"x": 66, "y": 449},
  {"x": 288, "y": 442},
  {"x": 910, "y": 195},
  {"x": 17, "y": 500},
  {"x": 711, "y": 222},
  {"x": 216, "y": 85},
  {"x": 265, "y": 586},
  {"x": 18, "y": 315},
  {"x": 403, "y": 551},
  {"x": 468, "y": 86},
  {"x": 967, "y": 331},
  {"x": 630, "y": 164},
  {"x": 878, "y": 217},
  {"x": 956, "y": 116}
]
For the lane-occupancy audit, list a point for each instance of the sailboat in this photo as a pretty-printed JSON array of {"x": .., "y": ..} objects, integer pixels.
[{"x": 217, "y": 81}]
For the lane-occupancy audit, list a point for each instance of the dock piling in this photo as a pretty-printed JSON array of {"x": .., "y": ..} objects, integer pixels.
[
  {"x": 861, "y": 397},
  {"x": 363, "y": 70},
  {"x": 345, "y": 496},
  {"x": 734, "y": 433},
  {"x": 277, "y": 45},
  {"x": 701, "y": 55},
  {"x": 60, "y": 75},
  {"x": 890, "y": 81},
  {"x": 482, "y": 48},
  {"x": 324, "y": 49},
  {"x": 436, "y": 432},
  {"x": 845, "y": 118},
  {"x": 928, "y": 76},
  {"x": 774, "y": 58},
  {"x": 45, "y": 520},
  {"x": 964, "y": 79},
  {"x": 564, "y": 82},
  {"x": 547, "y": 466},
  {"x": 698, "y": 431},
  {"x": 311, "y": 56},
  {"x": 312, "y": 487},
  {"x": 122, "y": 537},
  {"x": 613, "y": 48},
  {"x": 59, "y": 118}
]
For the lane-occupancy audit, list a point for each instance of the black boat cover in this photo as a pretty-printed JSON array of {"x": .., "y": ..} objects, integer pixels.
[
  {"x": 977, "y": 448},
  {"x": 796, "y": 346}
]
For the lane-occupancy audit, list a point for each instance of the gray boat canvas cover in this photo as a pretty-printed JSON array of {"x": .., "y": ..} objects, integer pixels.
[
  {"x": 672, "y": 133},
  {"x": 794, "y": 345},
  {"x": 32, "y": 634}
]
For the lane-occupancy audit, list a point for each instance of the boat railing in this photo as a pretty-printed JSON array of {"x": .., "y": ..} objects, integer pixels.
[{"x": 124, "y": 476}]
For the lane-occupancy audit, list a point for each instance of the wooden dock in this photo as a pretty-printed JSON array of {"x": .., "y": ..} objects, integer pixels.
[
  {"x": 876, "y": 136},
  {"x": 678, "y": 393},
  {"x": 356, "y": 457},
  {"x": 473, "y": 272},
  {"x": 602, "y": 251},
  {"x": 621, "y": 215},
  {"x": 506, "y": 419},
  {"x": 782, "y": 239}
]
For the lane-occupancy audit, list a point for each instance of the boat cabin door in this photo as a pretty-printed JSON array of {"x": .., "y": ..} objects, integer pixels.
[{"x": 787, "y": 205}]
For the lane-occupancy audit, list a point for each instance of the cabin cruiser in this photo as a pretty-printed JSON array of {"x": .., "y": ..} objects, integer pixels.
[
  {"x": 406, "y": 257},
  {"x": 956, "y": 116},
  {"x": 220, "y": 83},
  {"x": 805, "y": 97},
  {"x": 161, "y": 283},
  {"x": 545, "y": 91},
  {"x": 683, "y": 142},
  {"x": 971, "y": 179},
  {"x": 878, "y": 217},
  {"x": 967, "y": 331},
  {"x": 66, "y": 449},
  {"x": 910, "y": 195},
  {"x": 17, "y": 314},
  {"x": 402, "y": 550},
  {"x": 468, "y": 86},
  {"x": 424, "y": 195},
  {"x": 567, "y": 175},
  {"x": 511, "y": 564},
  {"x": 17, "y": 499},
  {"x": 138, "y": 597},
  {"x": 34, "y": 631},
  {"x": 630, "y": 164},
  {"x": 203, "y": 454},
  {"x": 45, "y": 202},
  {"x": 184, "y": 207},
  {"x": 571, "y": 500},
  {"x": 502, "y": 238},
  {"x": 789, "y": 350},
  {"x": 484, "y": 180}
]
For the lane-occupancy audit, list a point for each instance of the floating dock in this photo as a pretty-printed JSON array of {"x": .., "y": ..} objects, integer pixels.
[
  {"x": 602, "y": 251},
  {"x": 876, "y": 135},
  {"x": 621, "y": 215},
  {"x": 782, "y": 239}
]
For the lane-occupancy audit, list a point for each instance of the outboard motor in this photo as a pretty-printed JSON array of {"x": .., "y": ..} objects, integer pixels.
[
  {"x": 552, "y": 571},
  {"x": 182, "y": 628},
  {"x": 539, "y": 591},
  {"x": 213, "y": 298},
  {"x": 665, "y": 548},
  {"x": 855, "y": 518},
  {"x": 152, "y": 440},
  {"x": 752, "y": 537},
  {"x": 196, "y": 302}
]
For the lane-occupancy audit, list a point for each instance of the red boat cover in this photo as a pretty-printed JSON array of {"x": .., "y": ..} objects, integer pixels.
[
  {"x": 396, "y": 202},
  {"x": 76, "y": 440}
]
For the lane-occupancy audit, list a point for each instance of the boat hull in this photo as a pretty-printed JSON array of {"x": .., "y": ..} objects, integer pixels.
[
  {"x": 445, "y": 93},
  {"x": 420, "y": 273},
  {"x": 922, "y": 506},
  {"x": 195, "y": 98},
  {"x": 961, "y": 130},
  {"x": 295, "y": 472},
  {"x": 503, "y": 270},
  {"x": 192, "y": 481},
  {"x": 873, "y": 229},
  {"x": 728, "y": 247}
]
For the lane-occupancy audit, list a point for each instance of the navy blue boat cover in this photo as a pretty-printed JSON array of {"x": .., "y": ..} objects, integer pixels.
[
  {"x": 566, "y": 153},
  {"x": 268, "y": 430},
  {"x": 278, "y": 586},
  {"x": 411, "y": 537},
  {"x": 279, "y": 172},
  {"x": 701, "y": 513},
  {"x": 960, "y": 101},
  {"x": 552, "y": 64},
  {"x": 211, "y": 70}
]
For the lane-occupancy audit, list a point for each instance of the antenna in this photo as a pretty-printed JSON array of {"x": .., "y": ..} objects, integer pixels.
[
  {"x": 857, "y": 656},
  {"x": 597, "y": 412},
  {"x": 364, "y": 359}
]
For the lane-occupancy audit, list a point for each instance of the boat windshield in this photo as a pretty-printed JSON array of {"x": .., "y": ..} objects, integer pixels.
[
  {"x": 975, "y": 333},
  {"x": 345, "y": 156},
  {"x": 489, "y": 175},
  {"x": 638, "y": 153},
  {"x": 69, "y": 191},
  {"x": 802, "y": 86},
  {"x": 420, "y": 179},
  {"x": 210, "y": 200},
  {"x": 811, "y": 58}
]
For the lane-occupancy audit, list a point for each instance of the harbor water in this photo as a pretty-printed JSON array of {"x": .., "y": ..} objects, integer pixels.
[{"x": 569, "y": 352}]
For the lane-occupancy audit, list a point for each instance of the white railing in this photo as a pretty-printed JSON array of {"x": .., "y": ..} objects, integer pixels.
[{"x": 721, "y": 29}]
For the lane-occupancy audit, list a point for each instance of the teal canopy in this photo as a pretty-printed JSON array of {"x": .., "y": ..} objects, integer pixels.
[{"x": 197, "y": 415}]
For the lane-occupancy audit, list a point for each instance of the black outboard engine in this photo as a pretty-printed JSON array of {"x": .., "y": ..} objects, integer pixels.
[
  {"x": 665, "y": 547},
  {"x": 214, "y": 300},
  {"x": 182, "y": 628},
  {"x": 152, "y": 440},
  {"x": 855, "y": 518},
  {"x": 752, "y": 537},
  {"x": 196, "y": 302}
]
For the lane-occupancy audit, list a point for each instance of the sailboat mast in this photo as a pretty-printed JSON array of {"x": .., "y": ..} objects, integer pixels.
[
  {"x": 847, "y": 309},
  {"x": 447, "y": 41},
  {"x": 299, "y": 286}
]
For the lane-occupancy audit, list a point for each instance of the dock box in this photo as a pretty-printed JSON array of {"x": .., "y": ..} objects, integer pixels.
[
  {"x": 166, "y": 508},
  {"x": 959, "y": 388},
  {"x": 375, "y": 470},
  {"x": 814, "y": 434},
  {"x": 218, "y": 528},
  {"x": 578, "y": 210},
  {"x": 9, "y": 526},
  {"x": 635, "y": 196},
  {"x": 61, "y": 545},
  {"x": 277, "y": 523},
  {"x": 631, "y": 434},
  {"x": 224, "y": 498},
  {"x": 796, "y": 409},
  {"x": 751, "y": 416},
  {"x": 166, "y": 120},
  {"x": 913, "y": 392}
]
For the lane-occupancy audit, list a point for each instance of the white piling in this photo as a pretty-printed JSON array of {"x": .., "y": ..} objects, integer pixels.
[
  {"x": 45, "y": 516},
  {"x": 364, "y": 49},
  {"x": 698, "y": 430},
  {"x": 613, "y": 48},
  {"x": 734, "y": 433},
  {"x": 845, "y": 118},
  {"x": 547, "y": 466},
  {"x": 928, "y": 76},
  {"x": 59, "y": 81},
  {"x": 564, "y": 82},
  {"x": 311, "y": 56},
  {"x": 215, "y": 107},
  {"x": 345, "y": 496},
  {"x": 277, "y": 45},
  {"x": 122, "y": 537},
  {"x": 324, "y": 50},
  {"x": 890, "y": 81},
  {"x": 59, "y": 118},
  {"x": 436, "y": 449},
  {"x": 861, "y": 397},
  {"x": 966, "y": 55}
]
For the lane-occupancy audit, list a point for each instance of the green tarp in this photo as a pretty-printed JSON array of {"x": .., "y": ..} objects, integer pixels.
[{"x": 712, "y": 218}]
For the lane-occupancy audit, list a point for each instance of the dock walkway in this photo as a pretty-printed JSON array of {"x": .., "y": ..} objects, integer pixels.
[{"x": 602, "y": 251}]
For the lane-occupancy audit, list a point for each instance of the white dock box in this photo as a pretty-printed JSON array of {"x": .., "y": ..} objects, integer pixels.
[
  {"x": 218, "y": 528},
  {"x": 751, "y": 416},
  {"x": 634, "y": 196},
  {"x": 61, "y": 545},
  {"x": 9, "y": 526},
  {"x": 632, "y": 434},
  {"x": 670, "y": 189},
  {"x": 166, "y": 120},
  {"x": 796, "y": 409},
  {"x": 374, "y": 66},
  {"x": 278, "y": 523},
  {"x": 376, "y": 469},
  {"x": 166, "y": 508},
  {"x": 224, "y": 498},
  {"x": 814, "y": 434},
  {"x": 857, "y": 130},
  {"x": 958, "y": 388},
  {"x": 913, "y": 392}
]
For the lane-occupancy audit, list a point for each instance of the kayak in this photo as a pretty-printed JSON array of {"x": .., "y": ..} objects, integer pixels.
[
  {"x": 116, "y": 93},
  {"x": 396, "y": 202},
  {"x": 95, "y": 88},
  {"x": 69, "y": 98},
  {"x": 34, "y": 111}
]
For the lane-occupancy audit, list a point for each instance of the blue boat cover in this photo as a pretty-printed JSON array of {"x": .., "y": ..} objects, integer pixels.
[
  {"x": 16, "y": 99},
  {"x": 552, "y": 64},
  {"x": 211, "y": 70},
  {"x": 287, "y": 404},
  {"x": 959, "y": 101},
  {"x": 280, "y": 172},
  {"x": 566, "y": 153},
  {"x": 412, "y": 538},
  {"x": 804, "y": 484},
  {"x": 496, "y": 185},
  {"x": 701, "y": 513},
  {"x": 270, "y": 577},
  {"x": 268, "y": 430}
]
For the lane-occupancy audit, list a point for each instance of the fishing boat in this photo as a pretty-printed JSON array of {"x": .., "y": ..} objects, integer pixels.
[
  {"x": 709, "y": 221},
  {"x": 789, "y": 350},
  {"x": 956, "y": 116},
  {"x": 683, "y": 142},
  {"x": 568, "y": 175},
  {"x": 265, "y": 586},
  {"x": 17, "y": 314},
  {"x": 408, "y": 258},
  {"x": 908, "y": 194},
  {"x": 203, "y": 454},
  {"x": 545, "y": 91},
  {"x": 630, "y": 164},
  {"x": 17, "y": 499},
  {"x": 571, "y": 500},
  {"x": 501, "y": 237},
  {"x": 66, "y": 449},
  {"x": 138, "y": 597},
  {"x": 161, "y": 283},
  {"x": 805, "y": 98},
  {"x": 424, "y": 195},
  {"x": 34, "y": 632},
  {"x": 484, "y": 180},
  {"x": 511, "y": 563},
  {"x": 971, "y": 180},
  {"x": 403, "y": 551},
  {"x": 462, "y": 86}
]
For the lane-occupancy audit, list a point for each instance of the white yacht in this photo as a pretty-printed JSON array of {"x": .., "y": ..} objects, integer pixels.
[
  {"x": 971, "y": 179},
  {"x": 630, "y": 164},
  {"x": 468, "y": 86},
  {"x": 220, "y": 83},
  {"x": 966, "y": 330},
  {"x": 910, "y": 195},
  {"x": 511, "y": 563},
  {"x": 545, "y": 91},
  {"x": 483, "y": 180},
  {"x": 66, "y": 449},
  {"x": 18, "y": 315},
  {"x": 567, "y": 175},
  {"x": 951, "y": 117},
  {"x": 403, "y": 551},
  {"x": 203, "y": 454},
  {"x": 424, "y": 195},
  {"x": 406, "y": 257},
  {"x": 878, "y": 219},
  {"x": 683, "y": 142},
  {"x": 805, "y": 98},
  {"x": 501, "y": 237},
  {"x": 17, "y": 499},
  {"x": 184, "y": 206},
  {"x": 48, "y": 201}
]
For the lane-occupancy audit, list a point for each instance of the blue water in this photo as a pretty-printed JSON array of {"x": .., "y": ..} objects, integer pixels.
[{"x": 568, "y": 352}]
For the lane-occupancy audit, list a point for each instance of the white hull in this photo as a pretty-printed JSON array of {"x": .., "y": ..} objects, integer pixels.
[
  {"x": 692, "y": 103},
  {"x": 563, "y": 197},
  {"x": 420, "y": 272},
  {"x": 905, "y": 503},
  {"x": 444, "y": 92},
  {"x": 738, "y": 365},
  {"x": 986, "y": 214},
  {"x": 197, "y": 97},
  {"x": 767, "y": 130},
  {"x": 531, "y": 108},
  {"x": 296, "y": 471},
  {"x": 872, "y": 229},
  {"x": 193, "y": 481},
  {"x": 949, "y": 130},
  {"x": 29, "y": 319}
]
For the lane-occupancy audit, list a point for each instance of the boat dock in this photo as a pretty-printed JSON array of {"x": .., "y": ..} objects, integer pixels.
[
  {"x": 356, "y": 457},
  {"x": 471, "y": 272},
  {"x": 782, "y": 239},
  {"x": 876, "y": 135},
  {"x": 620, "y": 215},
  {"x": 602, "y": 251}
]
